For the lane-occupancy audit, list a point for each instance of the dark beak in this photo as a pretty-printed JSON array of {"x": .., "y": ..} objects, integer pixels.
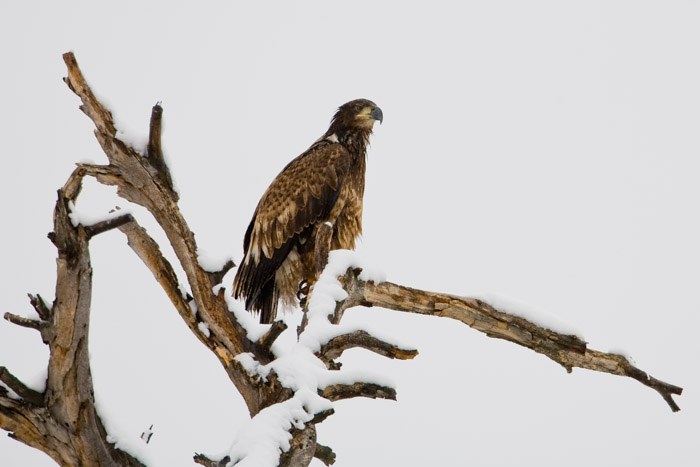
[{"x": 377, "y": 114}]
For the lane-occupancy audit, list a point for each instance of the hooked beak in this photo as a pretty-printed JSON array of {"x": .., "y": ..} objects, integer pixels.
[{"x": 377, "y": 114}]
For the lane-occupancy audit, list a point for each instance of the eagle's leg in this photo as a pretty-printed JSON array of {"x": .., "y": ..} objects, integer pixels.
[
  {"x": 324, "y": 234},
  {"x": 322, "y": 246}
]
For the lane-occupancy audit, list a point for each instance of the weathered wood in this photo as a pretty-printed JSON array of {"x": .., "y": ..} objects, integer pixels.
[
  {"x": 339, "y": 344},
  {"x": 302, "y": 449},
  {"x": 324, "y": 454},
  {"x": 26, "y": 393},
  {"x": 140, "y": 180},
  {"x": 62, "y": 421},
  {"x": 22, "y": 321},
  {"x": 567, "y": 350},
  {"x": 109, "y": 224},
  {"x": 155, "y": 150},
  {"x": 217, "y": 276},
  {"x": 269, "y": 338},
  {"x": 201, "y": 459},
  {"x": 40, "y": 306},
  {"x": 346, "y": 391}
]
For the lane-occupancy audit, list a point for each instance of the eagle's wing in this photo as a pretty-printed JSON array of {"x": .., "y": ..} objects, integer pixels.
[{"x": 304, "y": 192}]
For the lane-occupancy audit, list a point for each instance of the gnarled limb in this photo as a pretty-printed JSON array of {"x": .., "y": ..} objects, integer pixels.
[
  {"x": 567, "y": 350},
  {"x": 62, "y": 420},
  {"x": 142, "y": 180},
  {"x": 339, "y": 344}
]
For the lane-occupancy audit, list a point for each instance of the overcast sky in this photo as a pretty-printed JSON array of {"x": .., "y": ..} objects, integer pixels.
[{"x": 543, "y": 151}]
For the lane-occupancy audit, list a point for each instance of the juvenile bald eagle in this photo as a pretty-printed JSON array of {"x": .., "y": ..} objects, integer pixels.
[{"x": 325, "y": 184}]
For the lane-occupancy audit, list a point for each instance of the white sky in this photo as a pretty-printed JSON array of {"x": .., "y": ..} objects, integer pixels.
[{"x": 544, "y": 151}]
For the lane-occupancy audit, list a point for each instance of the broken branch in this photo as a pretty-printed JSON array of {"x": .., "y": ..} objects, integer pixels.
[
  {"x": 22, "y": 390},
  {"x": 109, "y": 224},
  {"x": 346, "y": 391},
  {"x": 22, "y": 321},
  {"x": 339, "y": 344},
  {"x": 40, "y": 306},
  {"x": 324, "y": 454}
]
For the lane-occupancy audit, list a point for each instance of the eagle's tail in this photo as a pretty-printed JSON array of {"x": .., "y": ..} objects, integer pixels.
[
  {"x": 261, "y": 296},
  {"x": 266, "y": 302}
]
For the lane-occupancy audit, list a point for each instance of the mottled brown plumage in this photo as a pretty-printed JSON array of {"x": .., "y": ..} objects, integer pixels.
[{"x": 324, "y": 184}]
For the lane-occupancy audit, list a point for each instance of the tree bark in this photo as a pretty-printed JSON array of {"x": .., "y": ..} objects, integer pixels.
[{"x": 62, "y": 421}]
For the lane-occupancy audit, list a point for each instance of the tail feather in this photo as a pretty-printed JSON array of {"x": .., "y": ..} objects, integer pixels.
[
  {"x": 259, "y": 291},
  {"x": 266, "y": 302}
]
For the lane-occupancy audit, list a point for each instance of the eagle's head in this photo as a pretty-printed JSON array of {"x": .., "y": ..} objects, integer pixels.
[{"x": 355, "y": 116}]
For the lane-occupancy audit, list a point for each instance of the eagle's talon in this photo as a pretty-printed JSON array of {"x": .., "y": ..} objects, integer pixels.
[{"x": 303, "y": 291}]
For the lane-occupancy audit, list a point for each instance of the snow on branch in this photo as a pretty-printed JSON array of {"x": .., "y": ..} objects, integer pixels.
[{"x": 567, "y": 350}]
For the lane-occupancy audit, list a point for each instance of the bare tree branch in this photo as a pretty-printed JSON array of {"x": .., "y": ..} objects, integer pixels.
[
  {"x": 109, "y": 224},
  {"x": 40, "y": 306},
  {"x": 277, "y": 328},
  {"x": 218, "y": 276},
  {"x": 201, "y": 459},
  {"x": 303, "y": 447},
  {"x": 140, "y": 181},
  {"x": 324, "y": 454},
  {"x": 63, "y": 421},
  {"x": 28, "y": 394},
  {"x": 91, "y": 106},
  {"x": 339, "y": 344},
  {"x": 155, "y": 150},
  {"x": 148, "y": 250},
  {"x": 22, "y": 321},
  {"x": 346, "y": 391},
  {"x": 568, "y": 351}
]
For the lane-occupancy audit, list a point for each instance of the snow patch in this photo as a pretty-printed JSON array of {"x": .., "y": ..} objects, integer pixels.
[
  {"x": 260, "y": 442},
  {"x": 138, "y": 141},
  {"x": 209, "y": 261},
  {"x": 623, "y": 353},
  {"x": 247, "y": 320},
  {"x": 539, "y": 317},
  {"x": 84, "y": 217},
  {"x": 204, "y": 328},
  {"x": 193, "y": 307},
  {"x": 122, "y": 439},
  {"x": 296, "y": 367},
  {"x": 249, "y": 363},
  {"x": 10, "y": 393}
]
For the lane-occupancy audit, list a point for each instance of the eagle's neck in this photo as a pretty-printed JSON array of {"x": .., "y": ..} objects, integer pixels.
[{"x": 354, "y": 140}]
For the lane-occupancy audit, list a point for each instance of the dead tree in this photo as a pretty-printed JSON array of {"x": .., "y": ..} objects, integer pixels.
[{"x": 62, "y": 420}]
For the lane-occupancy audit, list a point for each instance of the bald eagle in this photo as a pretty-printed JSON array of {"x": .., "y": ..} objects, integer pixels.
[{"x": 323, "y": 185}]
